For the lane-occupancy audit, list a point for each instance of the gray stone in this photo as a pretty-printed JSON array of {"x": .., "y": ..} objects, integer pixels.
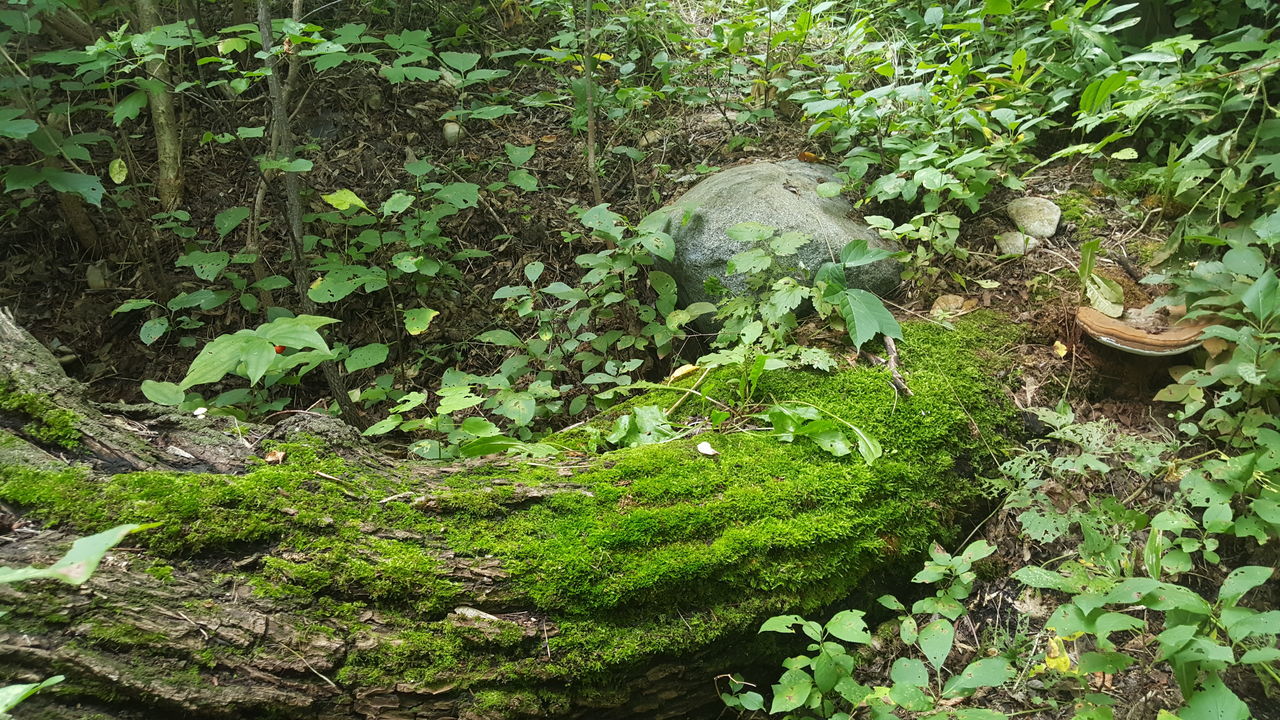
[
  {"x": 1016, "y": 243},
  {"x": 1035, "y": 216},
  {"x": 781, "y": 195}
]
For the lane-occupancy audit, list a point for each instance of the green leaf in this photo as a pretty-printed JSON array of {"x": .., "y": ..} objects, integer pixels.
[
  {"x": 80, "y": 561},
  {"x": 517, "y": 154},
  {"x": 296, "y": 332},
  {"x": 750, "y": 262},
  {"x": 1038, "y": 577},
  {"x": 229, "y": 219},
  {"x": 453, "y": 399},
  {"x": 988, "y": 672},
  {"x": 344, "y": 199},
  {"x": 1242, "y": 580},
  {"x": 909, "y": 671},
  {"x": 206, "y": 265},
  {"x": 523, "y": 179},
  {"x": 997, "y": 7},
  {"x": 383, "y": 426},
  {"x": 133, "y": 304},
  {"x": 417, "y": 320},
  {"x": 849, "y": 626},
  {"x": 152, "y": 329},
  {"x": 750, "y": 232},
  {"x": 1214, "y": 701},
  {"x": 462, "y": 62},
  {"x": 829, "y": 189},
  {"x": 781, "y": 624},
  {"x": 505, "y": 338},
  {"x": 86, "y": 186},
  {"x": 857, "y": 253},
  {"x": 865, "y": 316},
  {"x": 163, "y": 393},
  {"x": 11, "y": 695},
  {"x": 460, "y": 195},
  {"x": 397, "y": 203},
  {"x": 13, "y": 125},
  {"x": 366, "y": 357},
  {"x": 129, "y": 107},
  {"x": 1105, "y": 295},
  {"x": 935, "y": 641},
  {"x": 791, "y": 691},
  {"x": 533, "y": 271},
  {"x": 1104, "y": 662}
]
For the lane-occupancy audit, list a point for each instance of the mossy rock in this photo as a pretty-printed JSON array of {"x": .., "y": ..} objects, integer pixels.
[{"x": 512, "y": 585}]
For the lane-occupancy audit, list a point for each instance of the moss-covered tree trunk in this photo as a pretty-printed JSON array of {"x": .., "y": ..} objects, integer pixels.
[{"x": 327, "y": 581}]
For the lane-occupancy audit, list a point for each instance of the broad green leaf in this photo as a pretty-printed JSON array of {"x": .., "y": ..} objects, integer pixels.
[
  {"x": 533, "y": 271},
  {"x": 366, "y": 357},
  {"x": 80, "y": 561},
  {"x": 781, "y": 624},
  {"x": 152, "y": 329},
  {"x": 134, "y": 304},
  {"x": 909, "y": 671},
  {"x": 518, "y": 155},
  {"x": 384, "y": 426},
  {"x": 397, "y": 203},
  {"x": 11, "y": 695},
  {"x": 296, "y": 332},
  {"x": 849, "y": 626},
  {"x": 523, "y": 179},
  {"x": 344, "y": 199},
  {"x": 1242, "y": 580},
  {"x": 505, "y": 338},
  {"x": 791, "y": 691},
  {"x": 488, "y": 445},
  {"x": 206, "y": 265},
  {"x": 1104, "y": 662},
  {"x": 163, "y": 393},
  {"x": 997, "y": 7},
  {"x": 13, "y": 125},
  {"x": 129, "y": 107},
  {"x": 453, "y": 399},
  {"x": 460, "y": 195},
  {"x": 987, "y": 672},
  {"x": 86, "y": 186},
  {"x": 865, "y": 316},
  {"x": 1214, "y": 701},
  {"x": 857, "y": 253},
  {"x": 750, "y": 232},
  {"x": 417, "y": 320},
  {"x": 462, "y": 62},
  {"x": 230, "y": 219},
  {"x": 935, "y": 641},
  {"x": 257, "y": 354},
  {"x": 829, "y": 189}
]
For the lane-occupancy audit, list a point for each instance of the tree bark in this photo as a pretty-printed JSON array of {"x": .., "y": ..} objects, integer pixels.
[{"x": 168, "y": 141}]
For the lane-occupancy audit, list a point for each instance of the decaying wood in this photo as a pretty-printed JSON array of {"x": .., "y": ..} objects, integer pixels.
[{"x": 201, "y": 643}]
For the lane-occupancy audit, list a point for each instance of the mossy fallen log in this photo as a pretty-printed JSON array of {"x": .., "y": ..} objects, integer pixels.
[{"x": 329, "y": 585}]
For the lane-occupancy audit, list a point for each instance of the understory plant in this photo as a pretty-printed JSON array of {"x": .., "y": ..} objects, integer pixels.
[{"x": 1126, "y": 568}]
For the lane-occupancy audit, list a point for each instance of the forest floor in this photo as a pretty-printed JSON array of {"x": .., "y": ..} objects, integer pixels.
[{"x": 66, "y": 300}]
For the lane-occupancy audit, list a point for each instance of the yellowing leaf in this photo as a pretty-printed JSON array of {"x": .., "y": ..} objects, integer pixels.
[
  {"x": 603, "y": 57},
  {"x": 1056, "y": 657},
  {"x": 1059, "y": 349},
  {"x": 118, "y": 171},
  {"x": 682, "y": 371},
  {"x": 343, "y": 199}
]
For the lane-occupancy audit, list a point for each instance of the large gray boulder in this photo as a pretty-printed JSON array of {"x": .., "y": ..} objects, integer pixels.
[{"x": 782, "y": 195}]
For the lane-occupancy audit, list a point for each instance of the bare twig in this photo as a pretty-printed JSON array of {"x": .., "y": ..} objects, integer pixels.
[{"x": 891, "y": 349}]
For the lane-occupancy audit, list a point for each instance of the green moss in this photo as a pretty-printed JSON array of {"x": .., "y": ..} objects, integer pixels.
[
  {"x": 1077, "y": 207},
  {"x": 123, "y": 636},
  {"x": 657, "y": 550},
  {"x": 48, "y": 424}
]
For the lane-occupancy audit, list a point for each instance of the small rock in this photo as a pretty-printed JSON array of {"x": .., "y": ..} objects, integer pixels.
[
  {"x": 1016, "y": 243},
  {"x": 1035, "y": 216}
]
